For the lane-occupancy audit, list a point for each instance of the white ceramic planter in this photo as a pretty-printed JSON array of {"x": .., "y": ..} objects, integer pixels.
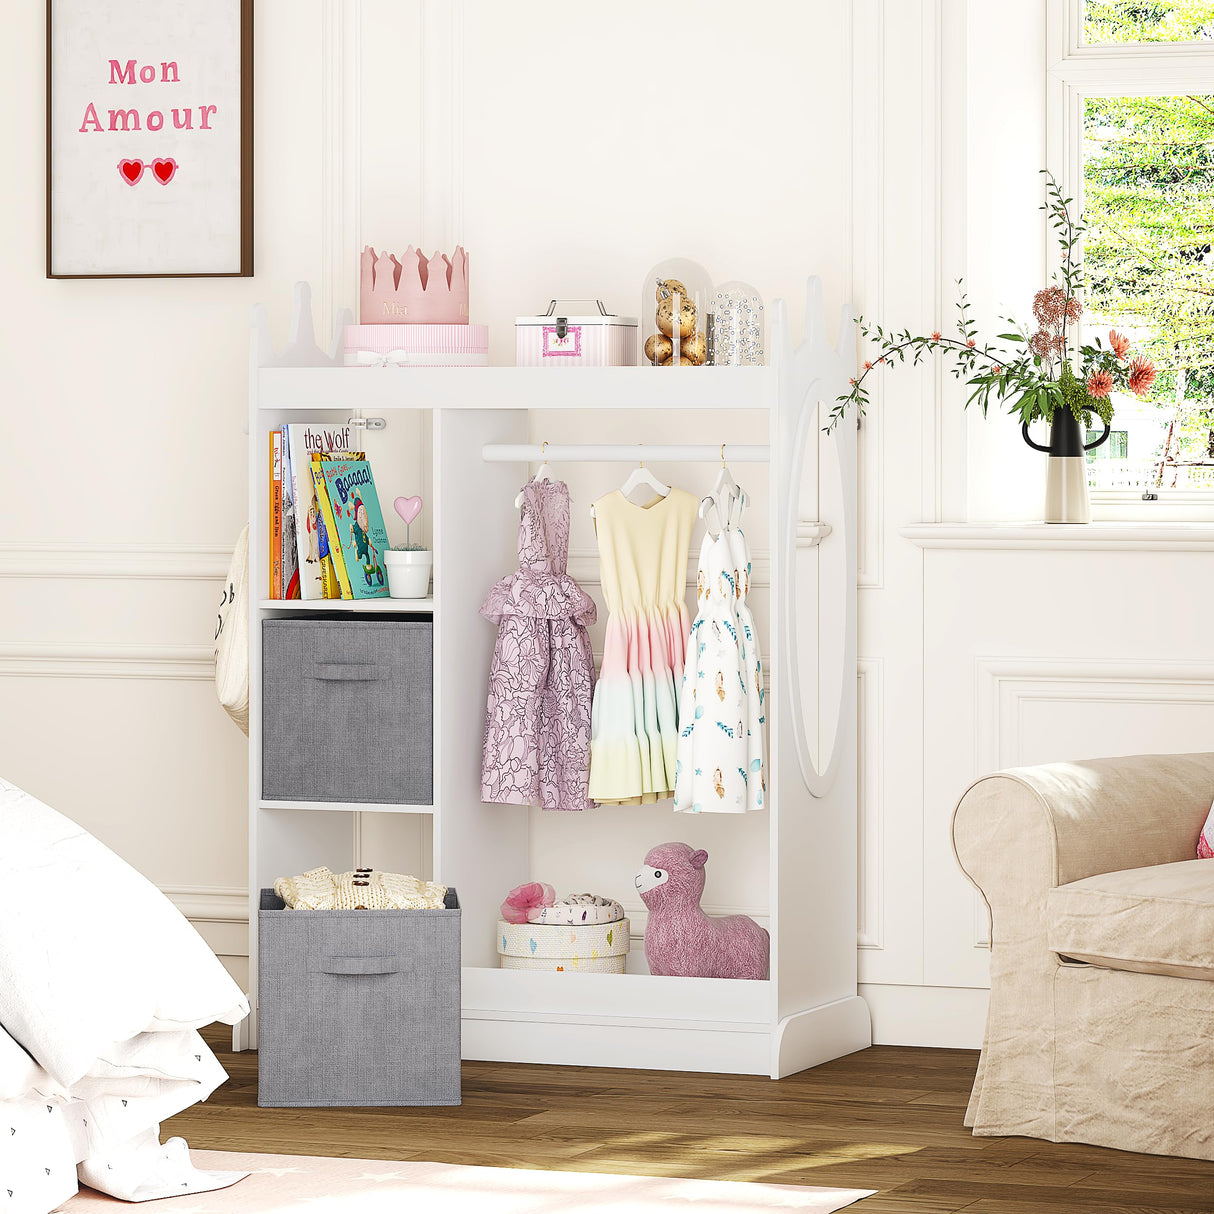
[{"x": 408, "y": 573}]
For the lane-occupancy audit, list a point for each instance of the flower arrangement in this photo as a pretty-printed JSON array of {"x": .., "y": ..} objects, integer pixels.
[{"x": 1036, "y": 370}]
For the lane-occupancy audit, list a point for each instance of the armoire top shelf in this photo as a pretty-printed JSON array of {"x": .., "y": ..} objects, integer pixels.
[{"x": 646, "y": 388}]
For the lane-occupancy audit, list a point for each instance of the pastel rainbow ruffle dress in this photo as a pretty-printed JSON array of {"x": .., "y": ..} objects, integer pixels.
[{"x": 634, "y": 732}]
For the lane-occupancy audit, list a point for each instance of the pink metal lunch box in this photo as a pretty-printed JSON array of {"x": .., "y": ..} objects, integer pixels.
[{"x": 563, "y": 340}]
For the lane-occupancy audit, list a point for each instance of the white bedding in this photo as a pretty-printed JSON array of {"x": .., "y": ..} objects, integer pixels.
[{"x": 102, "y": 986}]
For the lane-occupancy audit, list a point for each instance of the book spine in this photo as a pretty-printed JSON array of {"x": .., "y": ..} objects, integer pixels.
[
  {"x": 307, "y": 522},
  {"x": 290, "y": 555},
  {"x": 276, "y": 514},
  {"x": 333, "y": 569}
]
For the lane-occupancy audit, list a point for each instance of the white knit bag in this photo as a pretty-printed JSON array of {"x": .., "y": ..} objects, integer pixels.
[{"x": 232, "y": 637}]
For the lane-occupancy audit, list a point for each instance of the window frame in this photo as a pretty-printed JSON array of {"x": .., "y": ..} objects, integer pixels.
[{"x": 1076, "y": 70}]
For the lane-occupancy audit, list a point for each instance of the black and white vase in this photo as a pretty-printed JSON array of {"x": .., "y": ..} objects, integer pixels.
[{"x": 1066, "y": 482}]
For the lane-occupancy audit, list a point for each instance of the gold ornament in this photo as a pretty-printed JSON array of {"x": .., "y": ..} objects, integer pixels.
[
  {"x": 658, "y": 347},
  {"x": 686, "y": 320},
  {"x": 694, "y": 350},
  {"x": 668, "y": 287}
]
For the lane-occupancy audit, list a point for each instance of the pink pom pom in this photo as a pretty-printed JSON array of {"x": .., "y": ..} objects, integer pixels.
[{"x": 527, "y": 897}]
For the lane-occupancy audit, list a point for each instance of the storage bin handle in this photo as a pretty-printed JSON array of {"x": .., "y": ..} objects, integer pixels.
[
  {"x": 353, "y": 672},
  {"x": 362, "y": 965}
]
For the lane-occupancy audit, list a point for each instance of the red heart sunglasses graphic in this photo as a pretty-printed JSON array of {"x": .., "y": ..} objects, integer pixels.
[{"x": 164, "y": 169}]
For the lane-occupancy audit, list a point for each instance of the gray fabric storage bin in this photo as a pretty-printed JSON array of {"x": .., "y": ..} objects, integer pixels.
[
  {"x": 348, "y": 710},
  {"x": 358, "y": 1007}
]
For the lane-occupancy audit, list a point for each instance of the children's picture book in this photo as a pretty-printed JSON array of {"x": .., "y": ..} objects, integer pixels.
[
  {"x": 332, "y": 568},
  {"x": 275, "y": 549},
  {"x": 358, "y": 525},
  {"x": 290, "y": 549},
  {"x": 311, "y": 537}
]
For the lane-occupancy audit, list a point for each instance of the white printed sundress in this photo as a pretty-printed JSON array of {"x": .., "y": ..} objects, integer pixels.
[
  {"x": 748, "y": 642},
  {"x": 711, "y": 773}
]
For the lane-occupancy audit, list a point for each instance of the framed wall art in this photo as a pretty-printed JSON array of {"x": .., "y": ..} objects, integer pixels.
[{"x": 149, "y": 138}]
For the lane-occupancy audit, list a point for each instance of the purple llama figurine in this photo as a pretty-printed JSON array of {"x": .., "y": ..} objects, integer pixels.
[{"x": 681, "y": 941}]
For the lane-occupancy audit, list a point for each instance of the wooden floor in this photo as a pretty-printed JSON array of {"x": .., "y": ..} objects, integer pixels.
[{"x": 888, "y": 1118}]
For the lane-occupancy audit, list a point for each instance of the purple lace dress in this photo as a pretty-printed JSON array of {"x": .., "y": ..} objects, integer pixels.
[{"x": 537, "y": 726}]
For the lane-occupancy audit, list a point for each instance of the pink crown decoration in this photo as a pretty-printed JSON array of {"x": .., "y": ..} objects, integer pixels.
[{"x": 413, "y": 289}]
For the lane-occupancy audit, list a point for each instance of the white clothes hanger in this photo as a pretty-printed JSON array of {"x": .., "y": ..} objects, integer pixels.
[
  {"x": 640, "y": 475},
  {"x": 725, "y": 495},
  {"x": 727, "y": 491},
  {"x": 710, "y": 505},
  {"x": 542, "y": 473}
]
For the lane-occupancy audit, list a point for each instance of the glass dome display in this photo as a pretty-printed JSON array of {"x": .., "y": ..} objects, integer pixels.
[
  {"x": 735, "y": 326},
  {"x": 673, "y": 317}
]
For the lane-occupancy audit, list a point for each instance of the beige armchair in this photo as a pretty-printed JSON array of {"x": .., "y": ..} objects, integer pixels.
[{"x": 1101, "y": 1019}]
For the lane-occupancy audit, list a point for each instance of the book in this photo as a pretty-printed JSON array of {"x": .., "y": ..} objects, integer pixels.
[
  {"x": 362, "y": 538},
  {"x": 290, "y": 550},
  {"x": 275, "y": 514},
  {"x": 333, "y": 570},
  {"x": 311, "y": 538}
]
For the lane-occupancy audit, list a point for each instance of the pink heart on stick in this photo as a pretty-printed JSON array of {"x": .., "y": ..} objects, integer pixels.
[{"x": 408, "y": 508}]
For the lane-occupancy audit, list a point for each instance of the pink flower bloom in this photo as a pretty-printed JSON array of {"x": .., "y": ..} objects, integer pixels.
[
  {"x": 868, "y": 366},
  {"x": 970, "y": 344},
  {"x": 935, "y": 335},
  {"x": 1142, "y": 376},
  {"x": 1120, "y": 344},
  {"x": 996, "y": 369},
  {"x": 1074, "y": 309},
  {"x": 852, "y": 382},
  {"x": 1042, "y": 343},
  {"x": 1100, "y": 384},
  {"x": 524, "y": 898},
  {"x": 1049, "y": 307}
]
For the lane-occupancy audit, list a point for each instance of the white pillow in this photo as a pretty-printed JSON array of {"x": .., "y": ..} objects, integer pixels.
[
  {"x": 1205, "y": 840},
  {"x": 91, "y": 952}
]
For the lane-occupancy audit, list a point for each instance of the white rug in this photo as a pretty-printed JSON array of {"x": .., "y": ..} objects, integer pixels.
[{"x": 280, "y": 1184}]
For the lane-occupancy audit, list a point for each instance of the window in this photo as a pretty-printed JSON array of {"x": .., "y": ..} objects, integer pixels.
[
  {"x": 1122, "y": 21},
  {"x": 1131, "y": 125},
  {"x": 1148, "y": 192}
]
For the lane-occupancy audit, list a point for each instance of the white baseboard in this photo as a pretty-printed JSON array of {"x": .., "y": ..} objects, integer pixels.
[{"x": 938, "y": 1016}]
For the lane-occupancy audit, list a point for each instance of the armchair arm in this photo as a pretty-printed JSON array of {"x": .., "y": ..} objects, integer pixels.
[{"x": 1060, "y": 822}]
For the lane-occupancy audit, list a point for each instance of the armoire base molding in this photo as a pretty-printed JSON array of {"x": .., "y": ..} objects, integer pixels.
[
  {"x": 815, "y": 1036},
  {"x": 797, "y": 1042},
  {"x": 675, "y": 1045}
]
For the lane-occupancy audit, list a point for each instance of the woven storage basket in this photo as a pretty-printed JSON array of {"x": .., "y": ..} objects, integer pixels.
[
  {"x": 566, "y": 965},
  {"x": 358, "y": 1007},
  {"x": 600, "y": 948}
]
